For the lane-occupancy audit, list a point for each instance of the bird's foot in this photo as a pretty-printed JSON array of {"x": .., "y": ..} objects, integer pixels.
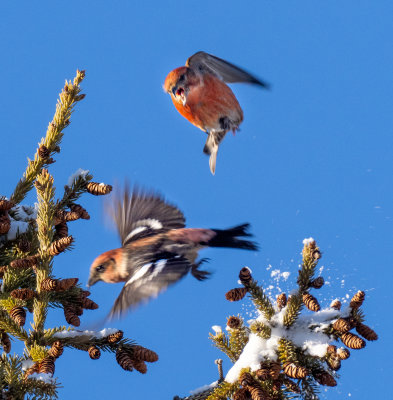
[{"x": 197, "y": 273}]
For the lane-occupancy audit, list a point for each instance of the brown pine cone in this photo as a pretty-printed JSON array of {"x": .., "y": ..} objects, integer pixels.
[
  {"x": 47, "y": 365},
  {"x": 65, "y": 216},
  {"x": 143, "y": 354},
  {"x": 61, "y": 230},
  {"x": 80, "y": 210},
  {"x": 281, "y": 300},
  {"x": 341, "y": 325},
  {"x": 5, "y": 223},
  {"x": 336, "y": 304},
  {"x": 357, "y": 299},
  {"x": 256, "y": 392},
  {"x": 324, "y": 378},
  {"x": 241, "y": 394},
  {"x": 262, "y": 374},
  {"x": 311, "y": 302},
  {"x": 57, "y": 349},
  {"x": 246, "y": 379},
  {"x": 18, "y": 314},
  {"x": 70, "y": 316},
  {"x": 94, "y": 352},
  {"x": 114, "y": 337},
  {"x": 65, "y": 284},
  {"x": 6, "y": 342},
  {"x": 236, "y": 294},
  {"x": 234, "y": 322},
  {"x": 89, "y": 304},
  {"x": 49, "y": 284},
  {"x": 316, "y": 255},
  {"x": 317, "y": 283},
  {"x": 26, "y": 262},
  {"x": 352, "y": 341},
  {"x": 6, "y": 205},
  {"x": 331, "y": 349},
  {"x": 43, "y": 152},
  {"x": 23, "y": 294},
  {"x": 24, "y": 245},
  {"x": 295, "y": 371},
  {"x": 58, "y": 246},
  {"x": 245, "y": 276},
  {"x": 140, "y": 366},
  {"x": 275, "y": 369},
  {"x": 334, "y": 362},
  {"x": 366, "y": 332},
  {"x": 33, "y": 369},
  {"x": 343, "y": 353},
  {"x": 291, "y": 385},
  {"x": 124, "y": 359},
  {"x": 98, "y": 189}
]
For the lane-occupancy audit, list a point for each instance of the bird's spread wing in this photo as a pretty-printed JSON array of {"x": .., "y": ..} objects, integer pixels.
[
  {"x": 148, "y": 282},
  {"x": 140, "y": 214},
  {"x": 226, "y": 71}
]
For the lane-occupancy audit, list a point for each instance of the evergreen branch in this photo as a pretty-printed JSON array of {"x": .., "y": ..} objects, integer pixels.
[
  {"x": 72, "y": 193},
  {"x": 260, "y": 300},
  {"x": 67, "y": 100},
  {"x": 7, "y": 324},
  {"x": 238, "y": 338},
  {"x": 222, "y": 343},
  {"x": 223, "y": 391}
]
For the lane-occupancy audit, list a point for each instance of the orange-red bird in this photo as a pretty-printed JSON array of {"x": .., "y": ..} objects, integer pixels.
[
  {"x": 156, "y": 248},
  {"x": 199, "y": 93}
]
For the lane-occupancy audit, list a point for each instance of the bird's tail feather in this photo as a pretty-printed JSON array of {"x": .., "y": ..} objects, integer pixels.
[
  {"x": 211, "y": 148},
  {"x": 230, "y": 238}
]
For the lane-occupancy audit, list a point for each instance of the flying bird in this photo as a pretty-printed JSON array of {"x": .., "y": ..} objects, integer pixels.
[
  {"x": 200, "y": 94},
  {"x": 156, "y": 249}
]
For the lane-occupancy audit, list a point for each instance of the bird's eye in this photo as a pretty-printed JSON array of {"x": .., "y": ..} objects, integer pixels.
[
  {"x": 181, "y": 78},
  {"x": 100, "y": 268}
]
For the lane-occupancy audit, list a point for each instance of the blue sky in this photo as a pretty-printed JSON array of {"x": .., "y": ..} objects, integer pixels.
[{"x": 313, "y": 158}]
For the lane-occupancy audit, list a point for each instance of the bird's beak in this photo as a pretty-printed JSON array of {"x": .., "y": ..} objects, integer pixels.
[
  {"x": 93, "y": 279},
  {"x": 174, "y": 90}
]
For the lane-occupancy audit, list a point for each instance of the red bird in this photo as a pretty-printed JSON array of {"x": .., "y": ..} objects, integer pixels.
[
  {"x": 156, "y": 248},
  {"x": 199, "y": 93}
]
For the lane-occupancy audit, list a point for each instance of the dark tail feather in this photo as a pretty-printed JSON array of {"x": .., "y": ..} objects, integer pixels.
[{"x": 230, "y": 238}]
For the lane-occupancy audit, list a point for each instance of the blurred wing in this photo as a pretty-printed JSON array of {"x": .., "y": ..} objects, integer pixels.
[
  {"x": 226, "y": 71},
  {"x": 148, "y": 282},
  {"x": 140, "y": 214}
]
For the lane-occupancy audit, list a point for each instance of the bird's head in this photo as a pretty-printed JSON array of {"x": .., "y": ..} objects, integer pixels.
[
  {"x": 177, "y": 83},
  {"x": 106, "y": 267}
]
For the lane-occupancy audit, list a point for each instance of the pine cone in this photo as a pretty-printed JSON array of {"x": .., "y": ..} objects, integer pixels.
[
  {"x": 23, "y": 294},
  {"x": 65, "y": 284},
  {"x": 357, "y": 299},
  {"x": 124, "y": 359},
  {"x": 317, "y": 283},
  {"x": 331, "y": 349},
  {"x": 341, "y": 325},
  {"x": 3, "y": 268},
  {"x": 140, "y": 366},
  {"x": 5, "y": 223},
  {"x": 70, "y": 316},
  {"x": 246, "y": 379},
  {"x": 241, "y": 394},
  {"x": 58, "y": 246},
  {"x": 263, "y": 373},
  {"x": 114, "y": 337},
  {"x": 256, "y": 392},
  {"x": 47, "y": 365},
  {"x": 43, "y": 152},
  {"x": 234, "y": 322},
  {"x": 245, "y": 276},
  {"x": 291, "y": 386},
  {"x": 27, "y": 262},
  {"x": 334, "y": 362},
  {"x": 94, "y": 352},
  {"x": 18, "y": 314},
  {"x": 236, "y": 294},
  {"x": 80, "y": 210},
  {"x": 89, "y": 304},
  {"x": 6, "y": 342},
  {"x": 324, "y": 378},
  {"x": 295, "y": 371},
  {"x": 143, "y": 354},
  {"x": 32, "y": 370},
  {"x": 281, "y": 300},
  {"x": 336, "y": 304},
  {"x": 57, "y": 349},
  {"x": 275, "y": 369},
  {"x": 316, "y": 255},
  {"x": 49, "y": 284},
  {"x": 366, "y": 332},
  {"x": 343, "y": 353},
  {"x": 352, "y": 341},
  {"x": 98, "y": 189},
  {"x": 24, "y": 245},
  {"x": 311, "y": 302},
  {"x": 6, "y": 205},
  {"x": 61, "y": 230}
]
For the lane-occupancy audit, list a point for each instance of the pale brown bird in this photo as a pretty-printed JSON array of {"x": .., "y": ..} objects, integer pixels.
[
  {"x": 200, "y": 94},
  {"x": 156, "y": 248}
]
